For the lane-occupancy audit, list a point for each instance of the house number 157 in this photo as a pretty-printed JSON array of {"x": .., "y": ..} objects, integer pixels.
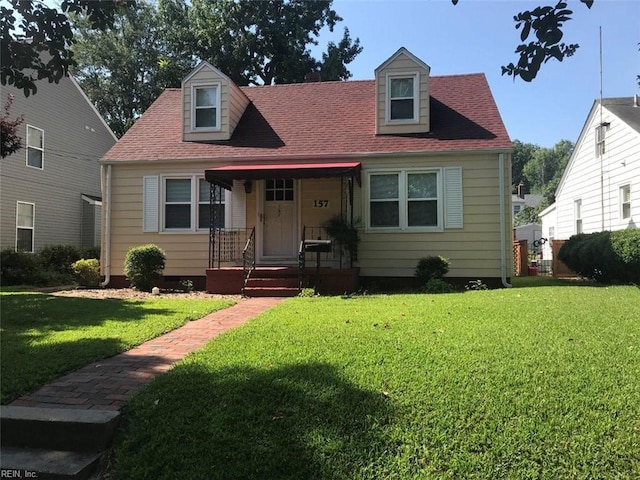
[{"x": 320, "y": 203}]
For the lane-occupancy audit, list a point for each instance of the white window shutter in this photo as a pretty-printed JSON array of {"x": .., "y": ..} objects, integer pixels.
[
  {"x": 453, "y": 197},
  {"x": 150, "y": 203},
  {"x": 238, "y": 205}
]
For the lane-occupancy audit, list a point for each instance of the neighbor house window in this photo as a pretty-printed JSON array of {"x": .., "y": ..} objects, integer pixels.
[
  {"x": 625, "y": 201},
  {"x": 35, "y": 147},
  {"x": 600, "y": 139},
  {"x": 25, "y": 213},
  {"x": 186, "y": 204},
  {"x": 577, "y": 213},
  {"x": 405, "y": 200},
  {"x": 205, "y": 114},
  {"x": 402, "y": 98}
]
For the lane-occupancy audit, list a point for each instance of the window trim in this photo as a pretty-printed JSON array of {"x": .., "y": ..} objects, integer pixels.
[
  {"x": 194, "y": 89},
  {"x": 194, "y": 204},
  {"x": 577, "y": 216},
  {"x": 32, "y": 228},
  {"x": 622, "y": 202},
  {"x": 601, "y": 137},
  {"x": 41, "y": 149},
  {"x": 416, "y": 98},
  {"x": 403, "y": 200}
]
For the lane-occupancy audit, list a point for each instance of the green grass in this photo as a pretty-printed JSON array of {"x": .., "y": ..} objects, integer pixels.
[
  {"x": 526, "y": 383},
  {"x": 45, "y": 336}
]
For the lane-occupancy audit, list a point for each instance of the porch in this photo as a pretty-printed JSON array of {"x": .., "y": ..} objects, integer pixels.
[
  {"x": 322, "y": 264},
  {"x": 273, "y": 247}
]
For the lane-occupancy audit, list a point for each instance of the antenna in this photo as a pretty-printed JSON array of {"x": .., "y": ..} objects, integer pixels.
[{"x": 601, "y": 131}]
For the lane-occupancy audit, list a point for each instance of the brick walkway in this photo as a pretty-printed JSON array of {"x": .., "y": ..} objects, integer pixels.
[{"x": 107, "y": 384}]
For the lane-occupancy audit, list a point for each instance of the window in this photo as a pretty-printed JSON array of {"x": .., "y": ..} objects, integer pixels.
[
  {"x": 625, "y": 202},
  {"x": 181, "y": 209},
  {"x": 24, "y": 226},
  {"x": 35, "y": 147},
  {"x": 577, "y": 213},
  {"x": 402, "y": 98},
  {"x": 405, "y": 200},
  {"x": 600, "y": 139},
  {"x": 204, "y": 206},
  {"x": 205, "y": 114},
  {"x": 516, "y": 209}
]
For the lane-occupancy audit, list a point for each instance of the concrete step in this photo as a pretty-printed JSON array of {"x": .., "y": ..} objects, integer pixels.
[
  {"x": 271, "y": 292},
  {"x": 57, "y": 428},
  {"x": 44, "y": 464}
]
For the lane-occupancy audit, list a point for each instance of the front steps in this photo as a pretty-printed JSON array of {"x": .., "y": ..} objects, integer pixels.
[
  {"x": 53, "y": 443},
  {"x": 272, "y": 282}
]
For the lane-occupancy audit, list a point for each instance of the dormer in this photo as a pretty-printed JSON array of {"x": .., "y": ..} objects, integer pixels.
[
  {"x": 402, "y": 89},
  {"x": 213, "y": 105}
]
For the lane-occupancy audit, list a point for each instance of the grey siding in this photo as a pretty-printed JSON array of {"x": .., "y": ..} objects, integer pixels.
[{"x": 75, "y": 138}]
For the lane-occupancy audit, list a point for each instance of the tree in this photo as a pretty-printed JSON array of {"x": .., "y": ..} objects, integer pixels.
[
  {"x": 543, "y": 25},
  {"x": 11, "y": 141},
  {"x": 522, "y": 154},
  {"x": 36, "y": 38},
  {"x": 264, "y": 42},
  {"x": 544, "y": 171},
  {"x": 123, "y": 69}
]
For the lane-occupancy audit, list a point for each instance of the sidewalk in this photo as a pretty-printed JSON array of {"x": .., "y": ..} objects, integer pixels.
[{"x": 109, "y": 383}]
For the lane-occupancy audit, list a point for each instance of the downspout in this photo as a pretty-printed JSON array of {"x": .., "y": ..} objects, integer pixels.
[
  {"x": 106, "y": 244},
  {"x": 503, "y": 223}
]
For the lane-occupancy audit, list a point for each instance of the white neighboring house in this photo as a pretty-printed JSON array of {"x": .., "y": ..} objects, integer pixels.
[{"x": 600, "y": 187}]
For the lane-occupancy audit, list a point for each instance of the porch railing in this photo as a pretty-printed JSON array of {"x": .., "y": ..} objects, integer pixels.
[
  {"x": 228, "y": 246},
  {"x": 249, "y": 257}
]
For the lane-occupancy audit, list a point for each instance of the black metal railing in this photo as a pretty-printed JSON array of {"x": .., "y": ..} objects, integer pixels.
[
  {"x": 248, "y": 257},
  {"x": 229, "y": 246}
]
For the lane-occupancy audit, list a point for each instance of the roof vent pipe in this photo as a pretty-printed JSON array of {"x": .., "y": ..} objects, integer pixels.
[{"x": 635, "y": 101}]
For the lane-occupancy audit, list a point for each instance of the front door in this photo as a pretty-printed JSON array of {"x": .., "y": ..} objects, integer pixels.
[{"x": 279, "y": 241}]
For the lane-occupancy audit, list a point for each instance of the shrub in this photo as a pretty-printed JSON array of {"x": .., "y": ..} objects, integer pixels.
[
  {"x": 476, "y": 285},
  {"x": 59, "y": 258},
  {"x": 87, "y": 272},
  {"x": 18, "y": 268},
  {"x": 437, "y": 285},
  {"x": 143, "y": 265},
  {"x": 91, "y": 252},
  {"x": 607, "y": 257},
  {"x": 187, "y": 285},
  {"x": 430, "y": 268}
]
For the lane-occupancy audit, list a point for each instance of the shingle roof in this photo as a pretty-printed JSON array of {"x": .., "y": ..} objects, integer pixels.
[
  {"x": 623, "y": 107},
  {"x": 321, "y": 119}
]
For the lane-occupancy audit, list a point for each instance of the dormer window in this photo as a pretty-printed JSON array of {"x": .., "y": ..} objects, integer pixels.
[
  {"x": 205, "y": 112},
  {"x": 403, "y": 101}
]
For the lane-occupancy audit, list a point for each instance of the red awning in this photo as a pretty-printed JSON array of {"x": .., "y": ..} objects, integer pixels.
[{"x": 224, "y": 176}]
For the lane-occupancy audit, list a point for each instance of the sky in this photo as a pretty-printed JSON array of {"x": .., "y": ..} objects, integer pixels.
[{"x": 480, "y": 36}]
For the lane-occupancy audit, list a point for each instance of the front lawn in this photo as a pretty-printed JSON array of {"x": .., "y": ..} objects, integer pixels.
[
  {"x": 45, "y": 336},
  {"x": 523, "y": 383}
]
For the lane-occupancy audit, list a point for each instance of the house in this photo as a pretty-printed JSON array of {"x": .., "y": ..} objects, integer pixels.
[
  {"x": 600, "y": 187},
  {"x": 51, "y": 192},
  {"x": 520, "y": 200},
  {"x": 236, "y": 182}
]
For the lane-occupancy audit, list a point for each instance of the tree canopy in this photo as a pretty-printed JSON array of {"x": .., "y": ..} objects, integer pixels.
[
  {"x": 125, "y": 67},
  {"x": 36, "y": 38}
]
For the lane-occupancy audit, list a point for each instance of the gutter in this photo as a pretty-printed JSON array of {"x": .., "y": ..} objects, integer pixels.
[
  {"x": 106, "y": 236},
  {"x": 310, "y": 158},
  {"x": 503, "y": 223}
]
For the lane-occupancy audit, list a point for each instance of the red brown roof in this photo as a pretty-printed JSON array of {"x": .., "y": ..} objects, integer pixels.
[{"x": 308, "y": 120}]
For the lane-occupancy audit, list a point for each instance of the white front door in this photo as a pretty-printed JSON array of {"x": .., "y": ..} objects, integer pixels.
[{"x": 279, "y": 221}]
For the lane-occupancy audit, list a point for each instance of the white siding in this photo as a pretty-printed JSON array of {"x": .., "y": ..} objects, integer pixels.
[{"x": 619, "y": 165}]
